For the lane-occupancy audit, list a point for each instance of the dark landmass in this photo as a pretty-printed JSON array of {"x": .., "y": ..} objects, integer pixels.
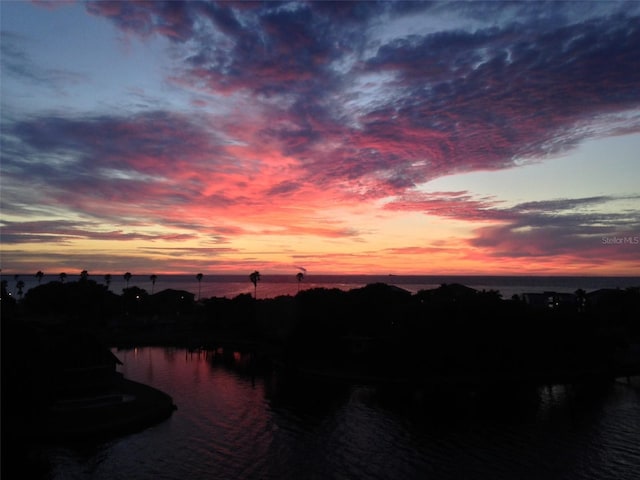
[
  {"x": 376, "y": 331},
  {"x": 452, "y": 336}
]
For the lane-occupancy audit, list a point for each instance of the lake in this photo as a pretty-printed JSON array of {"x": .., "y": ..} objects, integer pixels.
[{"x": 236, "y": 422}]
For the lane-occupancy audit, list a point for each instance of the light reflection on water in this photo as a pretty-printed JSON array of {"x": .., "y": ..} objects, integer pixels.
[{"x": 230, "y": 424}]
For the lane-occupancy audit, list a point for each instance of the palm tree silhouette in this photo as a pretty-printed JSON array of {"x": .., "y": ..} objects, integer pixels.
[
  {"x": 199, "y": 277},
  {"x": 127, "y": 276},
  {"x": 299, "y": 277},
  {"x": 255, "y": 278},
  {"x": 39, "y": 275},
  {"x": 63, "y": 277},
  {"x": 107, "y": 280},
  {"x": 153, "y": 279}
]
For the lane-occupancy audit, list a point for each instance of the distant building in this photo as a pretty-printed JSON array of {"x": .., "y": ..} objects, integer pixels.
[
  {"x": 452, "y": 292},
  {"x": 605, "y": 297},
  {"x": 172, "y": 302},
  {"x": 539, "y": 300},
  {"x": 549, "y": 300}
]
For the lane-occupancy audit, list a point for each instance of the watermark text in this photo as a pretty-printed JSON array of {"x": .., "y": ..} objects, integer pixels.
[{"x": 615, "y": 240}]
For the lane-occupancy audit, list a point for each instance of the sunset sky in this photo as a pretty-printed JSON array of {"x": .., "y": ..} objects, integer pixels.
[{"x": 359, "y": 137}]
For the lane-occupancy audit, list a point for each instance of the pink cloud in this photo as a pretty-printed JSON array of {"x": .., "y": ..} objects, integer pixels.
[
  {"x": 458, "y": 205},
  {"x": 298, "y": 134}
]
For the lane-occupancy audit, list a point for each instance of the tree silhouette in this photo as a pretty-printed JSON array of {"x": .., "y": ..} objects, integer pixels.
[
  {"x": 581, "y": 299},
  {"x": 63, "y": 277},
  {"x": 299, "y": 277},
  {"x": 255, "y": 278},
  {"x": 20, "y": 286},
  {"x": 107, "y": 280},
  {"x": 84, "y": 276},
  {"x": 199, "y": 277},
  {"x": 39, "y": 275},
  {"x": 153, "y": 279},
  {"x": 127, "y": 276}
]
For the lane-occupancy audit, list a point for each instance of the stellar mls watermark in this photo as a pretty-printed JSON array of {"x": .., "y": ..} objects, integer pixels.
[{"x": 626, "y": 240}]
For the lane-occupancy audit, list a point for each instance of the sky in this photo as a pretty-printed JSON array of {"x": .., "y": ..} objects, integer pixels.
[{"x": 495, "y": 138}]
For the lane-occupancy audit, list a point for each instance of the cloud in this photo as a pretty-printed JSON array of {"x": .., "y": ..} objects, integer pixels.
[
  {"x": 66, "y": 231},
  {"x": 511, "y": 84},
  {"x": 308, "y": 105},
  {"x": 559, "y": 227},
  {"x": 122, "y": 165},
  {"x": 189, "y": 252},
  {"x": 97, "y": 260},
  {"x": 572, "y": 227},
  {"x": 53, "y": 4},
  {"x": 457, "y": 205},
  {"x": 283, "y": 188},
  {"x": 155, "y": 168},
  {"x": 499, "y": 95},
  {"x": 17, "y": 63}
]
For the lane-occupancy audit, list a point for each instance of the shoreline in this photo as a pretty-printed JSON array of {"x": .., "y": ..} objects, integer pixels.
[{"x": 133, "y": 407}]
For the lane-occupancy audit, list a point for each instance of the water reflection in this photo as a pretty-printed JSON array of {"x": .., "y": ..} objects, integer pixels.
[{"x": 237, "y": 420}]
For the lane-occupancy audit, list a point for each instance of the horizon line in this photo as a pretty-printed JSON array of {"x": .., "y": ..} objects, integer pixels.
[{"x": 306, "y": 274}]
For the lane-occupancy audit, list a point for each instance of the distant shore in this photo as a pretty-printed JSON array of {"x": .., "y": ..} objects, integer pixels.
[{"x": 273, "y": 285}]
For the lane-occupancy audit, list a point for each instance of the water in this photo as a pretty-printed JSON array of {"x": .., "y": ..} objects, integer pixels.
[
  {"x": 233, "y": 425},
  {"x": 274, "y": 285}
]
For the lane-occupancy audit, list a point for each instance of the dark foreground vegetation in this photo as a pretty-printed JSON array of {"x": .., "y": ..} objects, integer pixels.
[
  {"x": 378, "y": 331},
  {"x": 452, "y": 336}
]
